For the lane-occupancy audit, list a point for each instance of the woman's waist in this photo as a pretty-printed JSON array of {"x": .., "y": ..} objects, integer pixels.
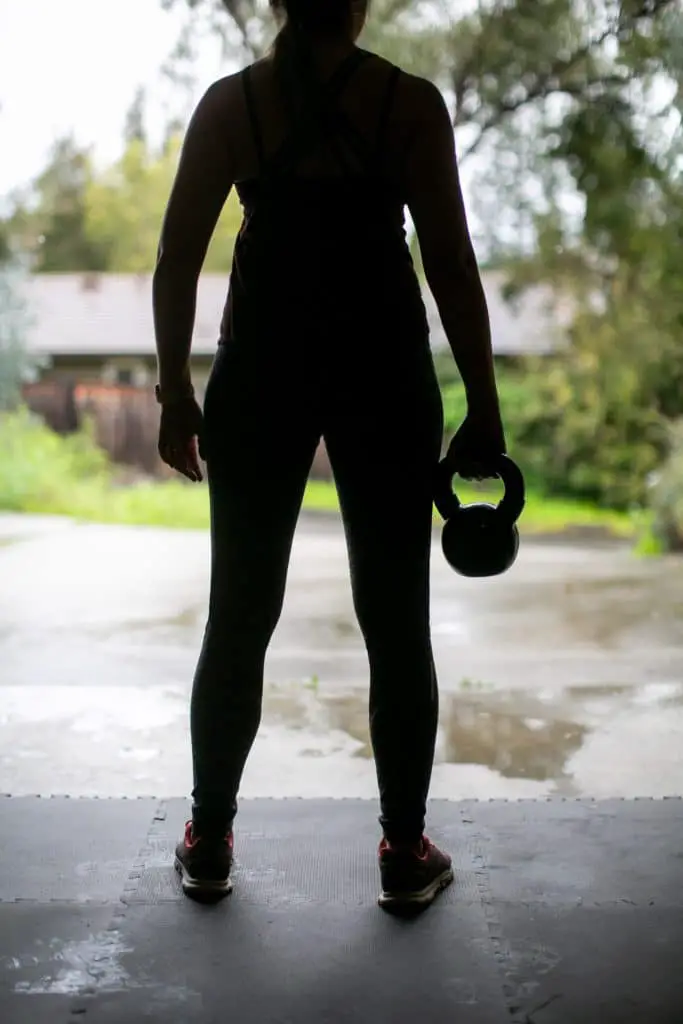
[
  {"x": 320, "y": 283},
  {"x": 347, "y": 316},
  {"x": 323, "y": 215},
  {"x": 330, "y": 191},
  {"x": 323, "y": 254}
]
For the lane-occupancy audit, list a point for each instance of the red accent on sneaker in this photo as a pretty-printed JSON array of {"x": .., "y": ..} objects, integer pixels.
[
  {"x": 191, "y": 839},
  {"x": 420, "y": 849}
]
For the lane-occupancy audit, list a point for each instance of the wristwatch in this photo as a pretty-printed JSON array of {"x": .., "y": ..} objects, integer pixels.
[{"x": 173, "y": 396}]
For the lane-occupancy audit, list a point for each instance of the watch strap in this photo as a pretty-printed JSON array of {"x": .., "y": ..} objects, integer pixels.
[{"x": 173, "y": 395}]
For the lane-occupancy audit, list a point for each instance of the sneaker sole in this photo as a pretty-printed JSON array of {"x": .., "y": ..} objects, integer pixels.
[
  {"x": 420, "y": 898},
  {"x": 202, "y": 887}
]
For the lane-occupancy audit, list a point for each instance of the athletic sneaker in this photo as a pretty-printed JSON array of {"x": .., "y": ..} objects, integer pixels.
[
  {"x": 204, "y": 864},
  {"x": 412, "y": 875}
]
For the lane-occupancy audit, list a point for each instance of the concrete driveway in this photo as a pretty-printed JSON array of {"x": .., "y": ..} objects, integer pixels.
[{"x": 564, "y": 677}]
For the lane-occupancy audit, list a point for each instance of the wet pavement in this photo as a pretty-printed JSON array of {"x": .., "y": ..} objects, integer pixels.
[{"x": 563, "y": 677}]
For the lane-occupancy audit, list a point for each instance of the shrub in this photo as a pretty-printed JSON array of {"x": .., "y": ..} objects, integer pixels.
[
  {"x": 666, "y": 496},
  {"x": 40, "y": 469},
  {"x": 519, "y": 400}
]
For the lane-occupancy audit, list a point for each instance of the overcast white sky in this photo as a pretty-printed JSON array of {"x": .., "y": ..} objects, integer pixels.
[{"x": 75, "y": 65}]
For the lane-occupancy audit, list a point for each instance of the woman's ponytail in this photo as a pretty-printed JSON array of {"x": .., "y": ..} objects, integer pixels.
[{"x": 305, "y": 21}]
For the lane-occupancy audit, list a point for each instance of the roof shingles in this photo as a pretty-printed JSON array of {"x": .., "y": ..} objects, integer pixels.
[{"x": 111, "y": 314}]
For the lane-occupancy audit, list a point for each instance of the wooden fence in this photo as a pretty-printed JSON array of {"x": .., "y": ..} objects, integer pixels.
[{"x": 125, "y": 420}]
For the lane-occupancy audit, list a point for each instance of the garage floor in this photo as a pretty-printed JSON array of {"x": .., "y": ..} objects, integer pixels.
[{"x": 563, "y": 912}]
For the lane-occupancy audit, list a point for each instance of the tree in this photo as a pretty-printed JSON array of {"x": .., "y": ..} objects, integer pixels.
[
  {"x": 4, "y": 243},
  {"x": 125, "y": 205},
  {"x": 599, "y": 424},
  {"x": 134, "y": 129},
  {"x": 17, "y": 364},
  {"x": 48, "y": 222},
  {"x": 79, "y": 218}
]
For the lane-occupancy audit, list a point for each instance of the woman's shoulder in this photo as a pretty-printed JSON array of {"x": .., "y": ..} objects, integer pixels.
[
  {"x": 414, "y": 87},
  {"x": 219, "y": 97},
  {"x": 416, "y": 96},
  {"x": 225, "y": 94}
]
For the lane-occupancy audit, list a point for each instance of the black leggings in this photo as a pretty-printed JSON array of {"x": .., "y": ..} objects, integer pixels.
[{"x": 383, "y": 428}]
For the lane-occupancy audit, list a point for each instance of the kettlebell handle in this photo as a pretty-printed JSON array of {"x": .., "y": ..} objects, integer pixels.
[{"x": 511, "y": 504}]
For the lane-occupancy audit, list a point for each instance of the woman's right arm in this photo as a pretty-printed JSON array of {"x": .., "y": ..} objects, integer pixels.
[{"x": 436, "y": 206}]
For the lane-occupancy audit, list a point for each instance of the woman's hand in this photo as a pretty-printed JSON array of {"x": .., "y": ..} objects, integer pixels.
[
  {"x": 180, "y": 437},
  {"x": 477, "y": 446}
]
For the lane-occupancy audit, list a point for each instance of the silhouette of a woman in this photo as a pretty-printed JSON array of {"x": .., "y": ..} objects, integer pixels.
[{"x": 324, "y": 335}]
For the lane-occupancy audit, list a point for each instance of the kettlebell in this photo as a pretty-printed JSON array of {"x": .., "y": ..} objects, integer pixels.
[{"x": 480, "y": 539}]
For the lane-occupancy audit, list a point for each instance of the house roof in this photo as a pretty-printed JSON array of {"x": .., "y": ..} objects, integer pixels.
[{"x": 111, "y": 314}]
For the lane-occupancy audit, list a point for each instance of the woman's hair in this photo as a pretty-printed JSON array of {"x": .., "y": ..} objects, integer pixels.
[
  {"x": 315, "y": 17},
  {"x": 303, "y": 20}
]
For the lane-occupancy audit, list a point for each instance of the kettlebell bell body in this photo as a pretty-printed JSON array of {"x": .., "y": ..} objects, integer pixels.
[{"x": 480, "y": 539}]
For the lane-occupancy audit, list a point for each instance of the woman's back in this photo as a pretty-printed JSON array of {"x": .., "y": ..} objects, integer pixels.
[
  {"x": 320, "y": 177},
  {"x": 362, "y": 83}
]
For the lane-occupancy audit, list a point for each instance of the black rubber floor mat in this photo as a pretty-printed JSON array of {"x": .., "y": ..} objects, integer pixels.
[{"x": 562, "y": 911}]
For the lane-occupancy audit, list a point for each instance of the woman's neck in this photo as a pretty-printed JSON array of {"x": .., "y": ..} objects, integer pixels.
[{"x": 328, "y": 51}]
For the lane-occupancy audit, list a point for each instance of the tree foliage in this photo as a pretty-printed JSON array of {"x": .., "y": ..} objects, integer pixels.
[
  {"x": 76, "y": 217},
  {"x": 604, "y": 409},
  {"x": 667, "y": 494},
  {"x": 48, "y": 221},
  {"x": 493, "y": 60},
  {"x": 125, "y": 206},
  {"x": 17, "y": 364}
]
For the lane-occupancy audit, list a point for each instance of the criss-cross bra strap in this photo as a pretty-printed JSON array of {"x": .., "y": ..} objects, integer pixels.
[
  {"x": 369, "y": 157},
  {"x": 324, "y": 115},
  {"x": 329, "y": 123}
]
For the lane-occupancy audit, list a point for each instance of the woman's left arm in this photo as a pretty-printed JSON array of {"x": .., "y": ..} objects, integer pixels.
[{"x": 202, "y": 184}]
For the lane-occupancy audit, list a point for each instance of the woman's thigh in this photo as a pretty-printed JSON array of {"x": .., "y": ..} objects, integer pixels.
[
  {"x": 259, "y": 445},
  {"x": 384, "y": 437}
]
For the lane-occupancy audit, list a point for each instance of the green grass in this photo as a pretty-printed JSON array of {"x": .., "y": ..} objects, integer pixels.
[
  {"x": 541, "y": 514},
  {"x": 185, "y": 506},
  {"x": 43, "y": 473}
]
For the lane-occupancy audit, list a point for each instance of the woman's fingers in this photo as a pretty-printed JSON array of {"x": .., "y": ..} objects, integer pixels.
[
  {"x": 178, "y": 440},
  {"x": 189, "y": 466},
  {"x": 182, "y": 458}
]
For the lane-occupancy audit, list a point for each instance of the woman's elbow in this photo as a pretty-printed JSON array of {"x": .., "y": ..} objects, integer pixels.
[
  {"x": 177, "y": 265},
  {"x": 450, "y": 269}
]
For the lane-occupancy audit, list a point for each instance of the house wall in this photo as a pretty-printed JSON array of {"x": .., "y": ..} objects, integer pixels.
[{"x": 136, "y": 371}]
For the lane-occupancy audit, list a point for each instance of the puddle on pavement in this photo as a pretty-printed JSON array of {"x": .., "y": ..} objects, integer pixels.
[
  {"x": 624, "y": 615},
  {"x": 525, "y": 735}
]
